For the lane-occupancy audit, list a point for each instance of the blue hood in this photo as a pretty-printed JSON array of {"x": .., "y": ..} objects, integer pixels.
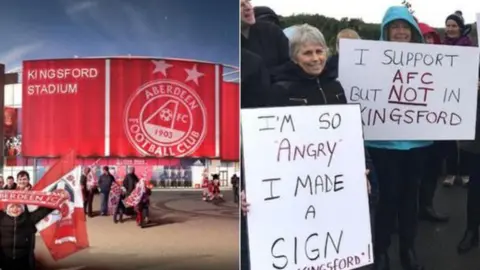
[
  {"x": 289, "y": 31},
  {"x": 401, "y": 13},
  {"x": 392, "y": 14}
]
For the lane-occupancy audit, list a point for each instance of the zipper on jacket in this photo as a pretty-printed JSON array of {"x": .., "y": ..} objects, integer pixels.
[
  {"x": 321, "y": 91},
  {"x": 14, "y": 236}
]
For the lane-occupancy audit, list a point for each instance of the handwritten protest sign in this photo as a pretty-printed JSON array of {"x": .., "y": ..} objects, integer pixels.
[
  {"x": 305, "y": 182},
  {"x": 411, "y": 91}
]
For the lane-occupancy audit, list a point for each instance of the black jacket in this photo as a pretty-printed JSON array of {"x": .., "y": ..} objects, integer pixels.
[
  {"x": 269, "y": 42},
  {"x": 17, "y": 234},
  {"x": 105, "y": 183},
  {"x": 83, "y": 182},
  {"x": 266, "y": 14},
  {"x": 129, "y": 183},
  {"x": 255, "y": 81},
  {"x": 473, "y": 146},
  {"x": 292, "y": 86},
  {"x": 13, "y": 187},
  {"x": 332, "y": 65}
]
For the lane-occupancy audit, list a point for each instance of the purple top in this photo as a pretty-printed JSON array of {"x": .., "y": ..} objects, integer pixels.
[{"x": 460, "y": 41}]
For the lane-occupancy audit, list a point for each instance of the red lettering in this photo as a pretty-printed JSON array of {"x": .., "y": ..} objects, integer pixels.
[
  {"x": 398, "y": 76},
  {"x": 397, "y": 93}
]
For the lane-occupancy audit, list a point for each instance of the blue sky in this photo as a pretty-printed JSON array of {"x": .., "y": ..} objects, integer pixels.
[{"x": 195, "y": 29}]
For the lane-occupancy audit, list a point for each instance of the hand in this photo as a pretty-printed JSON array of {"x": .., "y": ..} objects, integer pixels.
[
  {"x": 369, "y": 186},
  {"x": 244, "y": 204}
]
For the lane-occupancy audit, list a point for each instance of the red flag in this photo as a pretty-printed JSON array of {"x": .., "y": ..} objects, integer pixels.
[
  {"x": 64, "y": 232},
  {"x": 64, "y": 165}
]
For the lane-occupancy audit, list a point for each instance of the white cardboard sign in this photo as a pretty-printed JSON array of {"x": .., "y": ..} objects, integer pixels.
[
  {"x": 305, "y": 182},
  {"x": 411, "y": 91}
]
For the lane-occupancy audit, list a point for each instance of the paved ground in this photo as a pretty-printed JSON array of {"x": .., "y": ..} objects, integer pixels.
[
  {"x": 437, "y": 243},
  {"x": 190, "y": 234},
  {"x": 198, "y": 235}
]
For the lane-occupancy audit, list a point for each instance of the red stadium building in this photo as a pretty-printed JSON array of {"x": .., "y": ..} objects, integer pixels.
[{"x": 172, "y": 119}]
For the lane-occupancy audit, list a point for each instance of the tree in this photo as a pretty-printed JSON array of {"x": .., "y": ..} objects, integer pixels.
[{"x": 331, "y": 26}]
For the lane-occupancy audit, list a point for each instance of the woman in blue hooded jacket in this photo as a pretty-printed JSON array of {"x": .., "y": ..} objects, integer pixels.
[{"x": 398, "y": 165}]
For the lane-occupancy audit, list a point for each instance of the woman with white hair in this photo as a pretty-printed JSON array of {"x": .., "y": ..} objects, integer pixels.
[{"x": 304, "y": 80}]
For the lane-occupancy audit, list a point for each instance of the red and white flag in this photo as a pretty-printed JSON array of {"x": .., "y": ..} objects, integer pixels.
[
  {"x": 64, "y": 231},
  {"x": 92, "y": 180},
  {"x": 134, "y": 199},
  {"x": 114, "y": 197}
]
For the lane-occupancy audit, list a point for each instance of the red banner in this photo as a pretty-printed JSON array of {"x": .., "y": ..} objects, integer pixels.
[
  {"x": 121, "y": 108},
  {"x": 44, "y": 199},
  {"x": 66, "y": 234},
  {"x": 63, "y": 107},
  {"x": 162, "y": 108},
  {"x": 230, "y": 122}
]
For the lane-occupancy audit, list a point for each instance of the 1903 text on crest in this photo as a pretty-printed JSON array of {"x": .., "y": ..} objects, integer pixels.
[{"x": 165, "y": 118}]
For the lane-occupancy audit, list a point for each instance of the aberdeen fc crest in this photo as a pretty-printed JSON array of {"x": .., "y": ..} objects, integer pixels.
[{"x": 166, "y": 117}]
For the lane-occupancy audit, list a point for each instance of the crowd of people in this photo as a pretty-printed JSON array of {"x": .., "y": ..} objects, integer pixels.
[
  {"x": 292, "y": 67},
  {"x": 117, "y": 208},
  {"x": 211, "y": 188},
  {"x": 17, "y": 228},
  {"x": 22, "y": 183}
]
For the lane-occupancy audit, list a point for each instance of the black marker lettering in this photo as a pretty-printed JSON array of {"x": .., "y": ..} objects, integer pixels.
[{"x": 271, "y": 180}]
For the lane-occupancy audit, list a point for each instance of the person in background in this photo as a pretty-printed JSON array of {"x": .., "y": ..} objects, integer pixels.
[
  {"x": 2, "y": 183},
  {"x": 458, "y": 161},
  {"x": 399, "y": 166},
  {"x": 435, "y": 156},
  {"x": 129, "y": 184},
  {"x": 205, "y": 186},
  {"x": 429, "y": 34},
  {"x": 255, "y": 80},
  {"x": 255, "y": 88},
  {"x": 92, "y": 189},
  {"x": 234, "y": 181},
  {"x": 216, "y": 193},
  {"x": 104, "y": 184},
  {"x": 23, "y": 182},
  {"x": 83, "y": 186},
  {"x": 288, "y": 32},
  {"x": 332, "y": 62},
  {"x": 11, "y": 185},
  {"x": 471, "y": 237},
  {"x": 143, "y": 207},
  {"x": 266, "y": 14},
  {"x": 262, "y": 38},
  {"x": 456, "y": 31}
]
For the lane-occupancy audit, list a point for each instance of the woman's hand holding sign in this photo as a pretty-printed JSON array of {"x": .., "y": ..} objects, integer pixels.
[
  {"x": 243, "y": 201},
  {"x": 369, "y": 186}
]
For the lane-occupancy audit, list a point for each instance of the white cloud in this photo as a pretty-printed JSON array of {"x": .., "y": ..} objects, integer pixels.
[
  {"x": 18, "y": 53},
  {"x": 79, "y": 6}
]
